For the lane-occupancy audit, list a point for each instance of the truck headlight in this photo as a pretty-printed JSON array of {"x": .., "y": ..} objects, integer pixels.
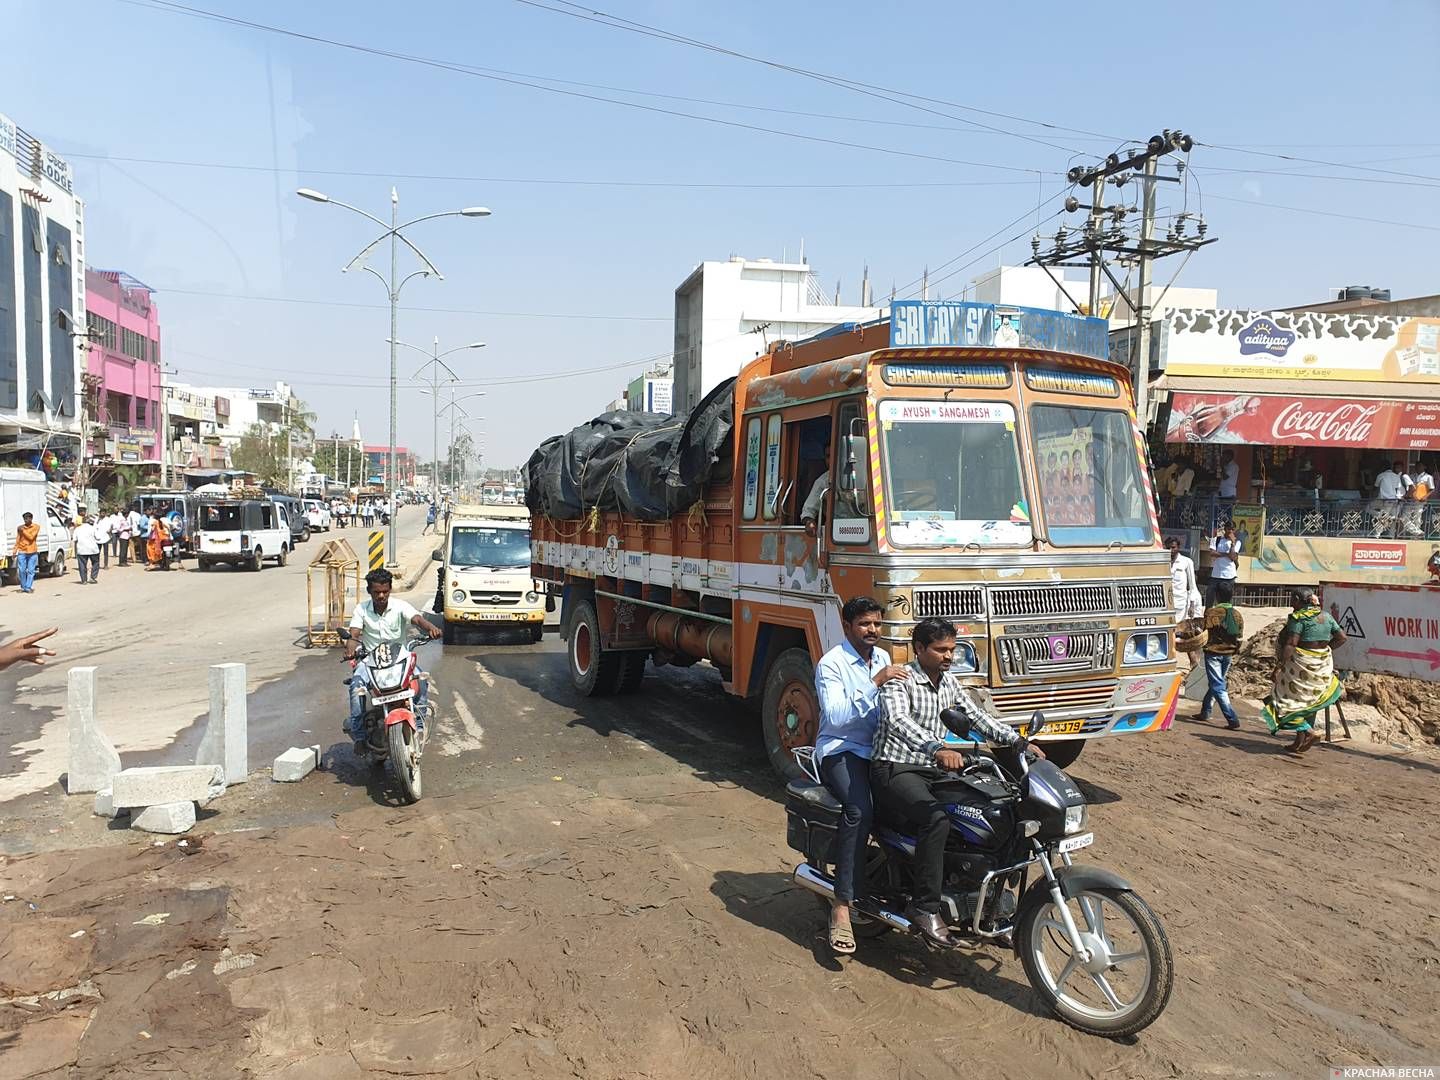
[
  {"x": 1146, "y": 648},
  {"x": 1075, "y": 819},
  {"x": 458, "y": 596},
  {"x": 964, "y": 658},
  {"x": 532, "y": 597}
]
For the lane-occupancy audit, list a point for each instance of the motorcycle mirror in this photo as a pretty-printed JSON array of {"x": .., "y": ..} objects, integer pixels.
[
  {"x": 956, "y": 722},
  {"x": 1034, "y": 725}
]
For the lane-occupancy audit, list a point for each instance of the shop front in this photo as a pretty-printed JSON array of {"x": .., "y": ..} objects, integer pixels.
[{"x": 1305, "y": 413}]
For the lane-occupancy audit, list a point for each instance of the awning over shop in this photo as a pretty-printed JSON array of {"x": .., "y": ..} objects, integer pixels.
[{"x": 1281, "y": 419}]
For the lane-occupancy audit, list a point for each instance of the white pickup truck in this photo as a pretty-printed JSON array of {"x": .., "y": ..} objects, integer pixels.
[{"x": 22, "y": 491}]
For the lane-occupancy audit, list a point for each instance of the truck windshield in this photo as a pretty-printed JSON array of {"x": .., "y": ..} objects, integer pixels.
[
  {"x": 953, "y": 474},
  {"x": 1090, "y": 484},
  {"x": 475, "y": 545}
]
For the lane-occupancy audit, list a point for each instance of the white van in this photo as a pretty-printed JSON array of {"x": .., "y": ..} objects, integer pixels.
[
  {"x": 318, "y": 515},
  {"x": 26, "y": 491},
  {"x": 241, "y": 532},
  {"x": 486, "y": 577}
]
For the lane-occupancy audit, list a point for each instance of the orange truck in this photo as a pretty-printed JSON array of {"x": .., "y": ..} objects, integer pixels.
[{"x": 975, "y": 462}]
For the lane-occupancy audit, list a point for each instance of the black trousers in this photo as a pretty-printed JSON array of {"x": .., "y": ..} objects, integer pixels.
[{"x": 904, "y": 791}]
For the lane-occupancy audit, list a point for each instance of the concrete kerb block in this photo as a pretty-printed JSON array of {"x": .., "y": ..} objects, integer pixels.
[
  {"x": 173, "y": 817},
  {"x": 227, "y": 741},
  {"x": 93, "y": 758},
  {"x": 105, "y": 804},
  {"x": 295, "y": 764},
  {"x": 161, "y": 784}
]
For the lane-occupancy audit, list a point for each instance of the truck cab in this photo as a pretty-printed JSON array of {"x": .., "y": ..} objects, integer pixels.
[{"x": 485, "y": 573}]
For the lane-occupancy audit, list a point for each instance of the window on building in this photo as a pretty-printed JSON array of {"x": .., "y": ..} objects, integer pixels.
[
  {"x": 102, "y": 330},
  {"x": 117, "y": 408},
  {"x": 140, "y": 404},
  {"x": 134, "y": 345}
]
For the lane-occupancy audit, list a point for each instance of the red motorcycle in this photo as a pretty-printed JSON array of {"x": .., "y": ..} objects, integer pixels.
[{"x": 390, "y": 686}]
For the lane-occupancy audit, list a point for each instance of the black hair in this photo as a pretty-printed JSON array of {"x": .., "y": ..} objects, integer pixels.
[
  {"x": 379, "y": 577},
  {"x": 929, "y": 631},
  {"x": 1223, "y": 592},
  {"x": 857, "y": 606},
  {"x": 1300, "y": 597}
]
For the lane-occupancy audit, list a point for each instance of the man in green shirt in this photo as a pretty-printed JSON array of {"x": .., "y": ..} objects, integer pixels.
[{"x": 1224, "y": 628}]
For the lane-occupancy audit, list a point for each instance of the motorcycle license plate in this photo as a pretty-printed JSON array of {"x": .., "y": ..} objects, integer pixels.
[
  {"x": 385, "y": 699},
  {"x": 1075, "y": 843},
  {"x": 1063, "y": 727}
]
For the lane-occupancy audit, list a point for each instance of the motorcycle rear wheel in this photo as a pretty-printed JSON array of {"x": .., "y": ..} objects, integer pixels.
[
  {"x": 1122, "y": 926},
  {"x": 404, "y": 760}
]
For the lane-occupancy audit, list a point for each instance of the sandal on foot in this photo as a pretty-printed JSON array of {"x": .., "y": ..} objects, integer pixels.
[{"x": 842, "y": 940}]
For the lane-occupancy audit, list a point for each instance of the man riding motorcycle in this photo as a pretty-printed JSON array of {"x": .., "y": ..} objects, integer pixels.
[
  {"x": 378, "y": 620},
  {"x": 910, "y": 756}
]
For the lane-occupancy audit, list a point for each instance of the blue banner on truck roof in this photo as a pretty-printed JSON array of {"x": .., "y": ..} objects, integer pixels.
[{"x": 957, "y": 324}]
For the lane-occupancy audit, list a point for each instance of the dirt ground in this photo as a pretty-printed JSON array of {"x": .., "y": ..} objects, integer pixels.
[{"x": 644, "y": 927}]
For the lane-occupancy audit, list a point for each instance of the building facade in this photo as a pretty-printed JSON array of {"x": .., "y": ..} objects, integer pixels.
[
  {"x": 728, "y": 313},
  {"x": 42, "y": 305},
  {"x": 652, "y": 392},
  {"x": 122, "y": 370},
  {"x": 377, "y": 465}
]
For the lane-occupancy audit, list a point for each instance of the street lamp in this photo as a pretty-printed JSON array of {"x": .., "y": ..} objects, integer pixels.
[
  {"x": 437, "y": 359},
  {"x": 454, "y": 407},
  {"x": 393, "y": 232}
]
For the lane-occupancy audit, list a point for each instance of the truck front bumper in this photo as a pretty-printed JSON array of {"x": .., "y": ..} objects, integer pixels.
[{"x": 506, "y": 616}]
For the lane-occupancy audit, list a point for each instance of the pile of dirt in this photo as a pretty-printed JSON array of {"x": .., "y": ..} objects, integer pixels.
[{"x": 1411, "y": 705}]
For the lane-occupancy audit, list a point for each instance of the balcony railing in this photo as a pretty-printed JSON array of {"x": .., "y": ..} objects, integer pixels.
[{"x": 1373, "y": 518}]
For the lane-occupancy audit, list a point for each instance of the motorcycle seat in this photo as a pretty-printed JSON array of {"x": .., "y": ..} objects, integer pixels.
[{"x": 813, "y": 793}]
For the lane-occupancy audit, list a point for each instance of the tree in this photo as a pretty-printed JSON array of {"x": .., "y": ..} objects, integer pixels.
[
  {"x": 263, "y": 453},
  {"x": 127, "y": 479},
  {"x": 338, "y": 464}
]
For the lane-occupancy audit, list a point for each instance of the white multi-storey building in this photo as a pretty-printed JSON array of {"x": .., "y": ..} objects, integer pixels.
[{"x": 42, "y": 303}]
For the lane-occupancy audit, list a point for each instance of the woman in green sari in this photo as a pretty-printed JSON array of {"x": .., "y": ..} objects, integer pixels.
[{"x": 1304, "y": 681}]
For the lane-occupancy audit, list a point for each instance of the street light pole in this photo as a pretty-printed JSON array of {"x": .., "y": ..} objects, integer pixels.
[
  {"x": 396, "y": 237},
  {"x": 437, "y": 359}
]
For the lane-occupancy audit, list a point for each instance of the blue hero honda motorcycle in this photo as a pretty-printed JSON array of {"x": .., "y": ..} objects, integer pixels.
[{"x": 1092, "y": 949}]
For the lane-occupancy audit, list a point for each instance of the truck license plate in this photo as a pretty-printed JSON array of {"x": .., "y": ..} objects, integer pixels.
[{"x": 1063, "y": 727}]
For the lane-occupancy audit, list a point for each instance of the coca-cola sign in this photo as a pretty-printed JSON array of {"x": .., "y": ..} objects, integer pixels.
[
  {"x": 1263, "y": 336},
  {"x": 1276, "y": 420}
]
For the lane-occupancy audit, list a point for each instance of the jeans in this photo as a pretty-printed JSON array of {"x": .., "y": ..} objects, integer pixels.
[
  {"x": 93, "y": 562},
  {"x": 25, "y": 564},
  {"x": 847, "y": 776},
  {"x": 904, "y": 790},
  {"x": 358, "y": 678},
  {"x": 1217, "y": 667}
]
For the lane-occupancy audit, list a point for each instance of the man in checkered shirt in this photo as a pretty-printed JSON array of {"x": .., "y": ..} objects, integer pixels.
[{"x": 910, "y": 755}]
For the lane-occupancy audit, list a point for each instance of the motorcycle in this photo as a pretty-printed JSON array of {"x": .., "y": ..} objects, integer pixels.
[
  {"x": 391, "y": 735},
  {"x": 1092, "y": 949},
  {"x": 169, "y": 554}
]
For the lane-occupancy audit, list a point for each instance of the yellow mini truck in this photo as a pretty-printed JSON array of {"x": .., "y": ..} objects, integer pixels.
[{"x": 485, "y": 576}]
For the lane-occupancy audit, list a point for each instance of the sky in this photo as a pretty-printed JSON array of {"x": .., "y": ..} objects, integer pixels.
[{"x": 1317, "y": 166}]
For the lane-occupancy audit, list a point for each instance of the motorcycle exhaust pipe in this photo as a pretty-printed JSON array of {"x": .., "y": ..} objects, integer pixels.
[{"x": 807, "y": 877}]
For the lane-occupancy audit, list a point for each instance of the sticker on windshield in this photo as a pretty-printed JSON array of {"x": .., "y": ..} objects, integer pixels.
[{"x": 961, "y": 412}]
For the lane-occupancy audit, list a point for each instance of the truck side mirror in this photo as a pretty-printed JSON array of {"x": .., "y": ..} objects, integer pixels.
[{"x": 854, "y": 468}]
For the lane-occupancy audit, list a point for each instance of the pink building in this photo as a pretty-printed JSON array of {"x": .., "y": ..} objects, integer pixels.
[{"x": 122, "y": 380}]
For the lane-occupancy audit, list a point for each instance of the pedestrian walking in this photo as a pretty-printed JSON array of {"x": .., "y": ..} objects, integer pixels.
[
  {"x": 429, "y": 520},
  {"x": 1304, "y": 680},
  {"x": 139, "y": 531},
  {"x": 87, "y": 550},
  {"x": 27, "y": 551},
  {"x": 1224, "y": 627},
  {"x": 102, "y": 535},
  {"x": 122, "y": 535}
]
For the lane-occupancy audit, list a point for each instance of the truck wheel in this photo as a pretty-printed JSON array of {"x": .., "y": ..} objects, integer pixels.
[
  {"x": 203, "y": 563},
  {"x": 1062, "y": 752},
  {"x": 790, "y": 715},
  {"x": 447, "y": 631},
  {"x": 632, "y": 670},
  {"x": 594, "y": 671},
  {"x": 537, "y": 633},
  {"x": 57, "y": 564}
]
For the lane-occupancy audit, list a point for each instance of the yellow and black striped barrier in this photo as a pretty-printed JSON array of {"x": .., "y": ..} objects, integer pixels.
[{"x": 377, "y": 549}]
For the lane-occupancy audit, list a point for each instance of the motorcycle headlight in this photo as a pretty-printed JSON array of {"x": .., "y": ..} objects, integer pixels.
[
  {"x": 388, "y": 679},
  {"x": 1075, "y": 819},
  {"x": 458, "y": 596},
  {"x": 1146, "y": 648},
  {"x": 532, "y": 597}
]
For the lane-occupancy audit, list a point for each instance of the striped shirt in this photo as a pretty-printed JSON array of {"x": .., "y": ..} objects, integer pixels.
[{"x": 910, "y": 730}]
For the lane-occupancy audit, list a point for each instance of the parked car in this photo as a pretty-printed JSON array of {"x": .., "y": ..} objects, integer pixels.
[
  {"x": 295, "y": 516},
  {"x": 318, "y": 515},
  {"x": 242, "y": 532}
]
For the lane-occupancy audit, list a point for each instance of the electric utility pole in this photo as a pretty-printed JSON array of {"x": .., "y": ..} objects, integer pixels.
[{"x": 1097, "y": 239}]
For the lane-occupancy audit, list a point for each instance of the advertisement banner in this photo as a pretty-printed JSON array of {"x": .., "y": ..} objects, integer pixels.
[
  {"x": 1249, "y": 526},
  {"x": 1278, "y": 420},
  {"x": 1393, "y": 629},
  {"x": 959, "y": 324},
  {"x": 1346, "y": 346}
]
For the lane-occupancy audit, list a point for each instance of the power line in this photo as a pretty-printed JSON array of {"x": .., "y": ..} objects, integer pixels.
[
  {"x": 1317, "y": 161},
  {"x": 170, "y": 6},
  {"x": 432, "y": 310},
  {"x": 905, "y": 289},
  {"x": 1326, "y": 213}
]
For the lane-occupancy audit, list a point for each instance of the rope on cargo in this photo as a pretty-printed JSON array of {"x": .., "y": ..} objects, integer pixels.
[{"x": 695, "y": 517}]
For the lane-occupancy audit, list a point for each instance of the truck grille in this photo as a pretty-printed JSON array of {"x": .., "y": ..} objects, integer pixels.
[
  {"x": 1141, "y": 596},
  {"x": 949, "y": 604},
  {"x": 1021, "y": 702},
  {"x": 1041, "y": 654},
  {"x": 1125, "y": 597},
  {"x": 495, "y": 599}
]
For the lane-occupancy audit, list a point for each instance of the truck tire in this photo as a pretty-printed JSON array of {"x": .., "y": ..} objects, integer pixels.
[
  {"x": 447, "y": 632},
  {"x": 632, "y": 671},
  {"x": 1063, "y": 752},
  {"x": 595, "y": 671},
  {"x": 790, "y": 715},
  {"x": 57, "y": 564}
]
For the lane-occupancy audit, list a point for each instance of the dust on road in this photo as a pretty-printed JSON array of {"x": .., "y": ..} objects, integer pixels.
[{"x": 645, "y": 927}]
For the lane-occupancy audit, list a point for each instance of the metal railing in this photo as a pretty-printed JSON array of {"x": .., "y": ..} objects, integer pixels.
[{"x": 1374, "y": 518}]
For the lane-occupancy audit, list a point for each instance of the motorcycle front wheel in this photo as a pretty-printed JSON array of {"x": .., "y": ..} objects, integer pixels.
[
  {"x": 1126, "y": 983},
  {"x": 404, "y": 760}
]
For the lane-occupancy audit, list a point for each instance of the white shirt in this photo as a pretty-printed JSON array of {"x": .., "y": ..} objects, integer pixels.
[
  {"x": 390, "y": 626},
  {"x": 1183, "y": 481},
  {"x": 1230, "y": 481},
  {"x": 137, "y": 523},
  {"x": 1390, "y": 485},
  {"x": 1182, "y": 582},
  {"x": 86, "y": 540},
  {"x": 810, "y": 511},
  {"x": 102, "y": 529},
  {"x": 1224, "y": 569}
]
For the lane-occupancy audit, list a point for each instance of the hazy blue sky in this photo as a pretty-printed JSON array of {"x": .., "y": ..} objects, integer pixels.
[{"x": 114, "y": 80}]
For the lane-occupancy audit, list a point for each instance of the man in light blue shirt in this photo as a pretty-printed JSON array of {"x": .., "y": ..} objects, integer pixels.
[{"x": 848, "y": 680}]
